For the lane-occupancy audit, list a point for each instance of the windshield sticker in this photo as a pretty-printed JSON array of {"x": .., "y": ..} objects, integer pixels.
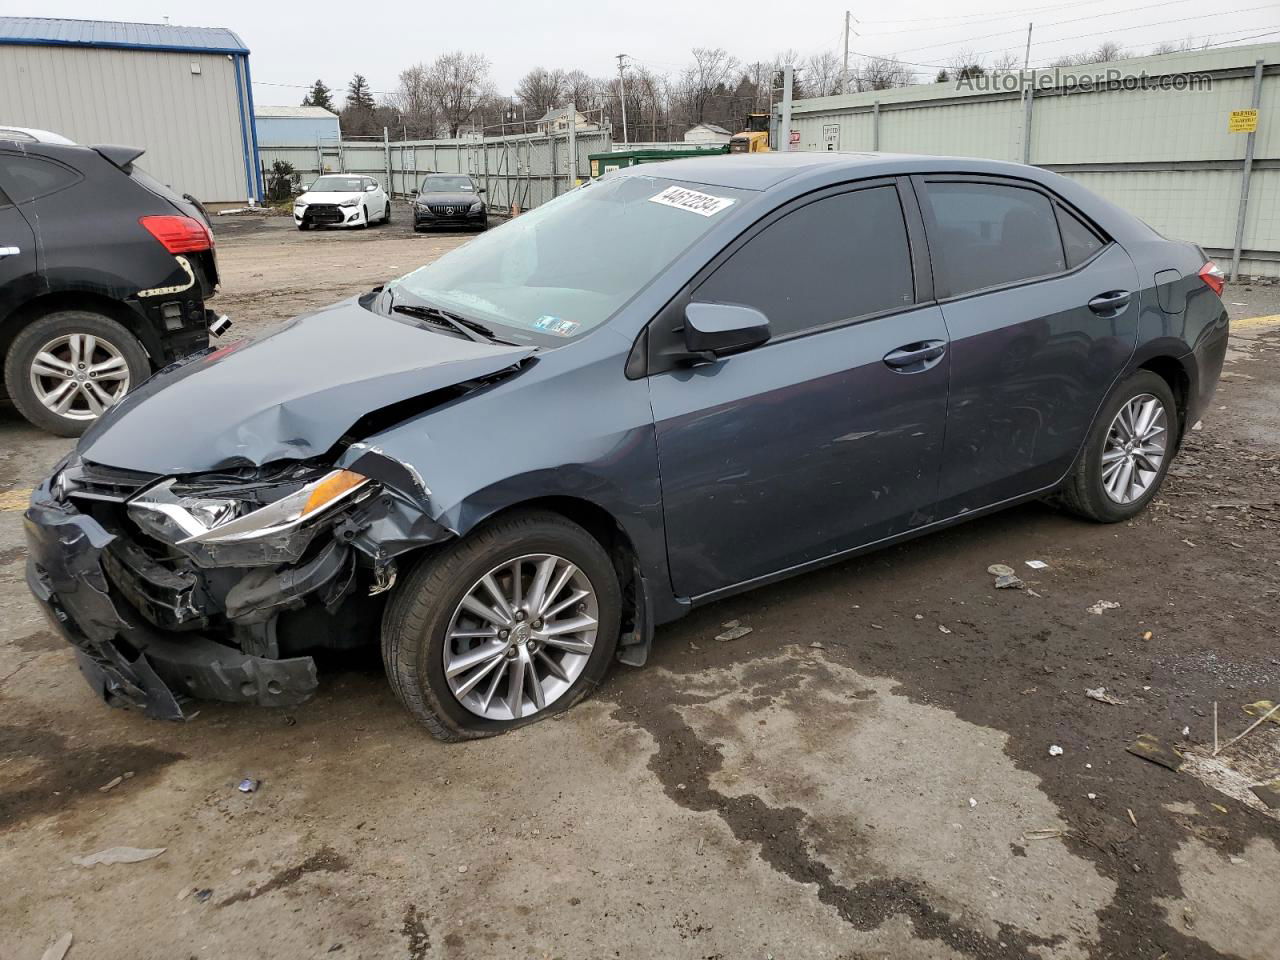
[
  {"x": 681, "y": 198},
  {"x": 561, "y": 328}
]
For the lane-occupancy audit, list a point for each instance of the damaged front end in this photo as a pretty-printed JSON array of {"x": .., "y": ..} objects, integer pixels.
[{"x": 220, "y": 586}]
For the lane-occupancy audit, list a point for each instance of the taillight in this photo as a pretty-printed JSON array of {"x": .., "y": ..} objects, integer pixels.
[
  {"x": 1213, "y": 277},
  {"x": 179, "y": 234}
]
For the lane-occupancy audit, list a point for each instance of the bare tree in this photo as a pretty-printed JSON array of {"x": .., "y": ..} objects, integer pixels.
[
  {"x": 458, "y": 83},
  {"x": 414, "y": 103},
  {"x": 579, "y": 89},
  {"x": 705, "y": 79},
  {"x": 1107, "y": 51},
  {"x": 541, "y": 90},
  {"x": 883, "y": 73},
  {"x": 1007, "y": 62},
  {"x": 822, "y": 74}
]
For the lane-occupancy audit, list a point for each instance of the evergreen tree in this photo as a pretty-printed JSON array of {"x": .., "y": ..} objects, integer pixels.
[{"x": 318, "y": 96}]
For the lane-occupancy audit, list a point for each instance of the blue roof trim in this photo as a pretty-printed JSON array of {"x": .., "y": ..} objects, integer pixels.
[{"x": 50, "y": 31}]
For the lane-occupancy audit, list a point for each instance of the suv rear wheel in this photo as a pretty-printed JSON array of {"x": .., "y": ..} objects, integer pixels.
[{"x": 66, "y": 368}]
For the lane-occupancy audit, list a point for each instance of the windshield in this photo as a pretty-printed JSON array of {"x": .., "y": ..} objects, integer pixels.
[
  {"x": 567, "y": 266},
  {"x": 448, "y": 185},
  {"x": 336, "y": 185}
]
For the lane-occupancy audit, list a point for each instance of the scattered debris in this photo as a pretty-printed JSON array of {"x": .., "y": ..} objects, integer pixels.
[
  {"x": 248, "y": 785},
  {"x": 1009, "y": 582},
  {"x": 1219, "y": 807},
  {"x": 58, "y": 949},
  {"x": 817, "y": 645},
  {"x": 1261, "y": 708},
  {"x": 943, "y": 629},
  {"x": 1215, "y": 725},
  {"x": 1000, "y": 570},
  {"x": 730, "y": 624},
  {"x": 1249, "y": 729},
  {"x": 1100, "y": 694},
  {"x": 1055, "y": 751},
  {"x": 111, "y": 784},
  {"x": 1046, "y": 833},
  {"x": 733, "y": 633},
  {"x": 1102, "y": 605},
  {"x": 1186, "y": 731},
  {"x": 1031, "y": 593},
  {"x": 462, "y": 868},
  {"x": 972, "y": 803},
  {"x": 1268, "y": 793},
  {"x": 1037, "y": 564},
  {"x": 1236, "y": 861},
  {"x": 184, "y": 893},
  {"x": 1092, "y": 796},
  {"x": 118, "y": 855},
  {"x": 1150, "y": 747},
  {"x": 918, "y": 616},
  {"x": 1132, "y": 818},
  {"x": 202, "y": 896},
  {"x": 876, "y": 626}
]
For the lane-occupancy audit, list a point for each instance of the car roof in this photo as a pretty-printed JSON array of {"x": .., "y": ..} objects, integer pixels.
[
  {"x": 762, "y": 171},
  {"x": 32, "y": 135}
]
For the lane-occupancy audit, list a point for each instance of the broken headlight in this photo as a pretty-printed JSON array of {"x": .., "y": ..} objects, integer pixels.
[{"x": 178, "y": 519}]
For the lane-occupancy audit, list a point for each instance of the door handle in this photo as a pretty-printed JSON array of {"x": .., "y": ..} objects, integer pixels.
[
  {"x": 9, "y": 251},
  {"x": 1110, "y": 301},
  {"x": 915, "y": 357}
]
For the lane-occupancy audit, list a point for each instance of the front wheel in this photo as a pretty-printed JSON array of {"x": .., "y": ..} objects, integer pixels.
[
  {"x": 65, "y": 369},
  {"x": 1128, "y": 452},
  {"x": 515, "y": 623},
  {"x": 364, "y": 224},
  {"x": 386, "y": 216}
]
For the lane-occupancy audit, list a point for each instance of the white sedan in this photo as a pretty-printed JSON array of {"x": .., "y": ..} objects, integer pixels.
[{"x": 342, "y": 200}]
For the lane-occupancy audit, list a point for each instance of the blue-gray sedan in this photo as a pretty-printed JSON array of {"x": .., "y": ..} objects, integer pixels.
[{"x": 673, "y": 384}]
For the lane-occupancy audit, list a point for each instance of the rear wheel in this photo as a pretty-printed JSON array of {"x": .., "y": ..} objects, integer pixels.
[
  {"x": 513, "y": 624},
  {"x": 66, "y": 368},
  {"x": 1128, "y": 452}
]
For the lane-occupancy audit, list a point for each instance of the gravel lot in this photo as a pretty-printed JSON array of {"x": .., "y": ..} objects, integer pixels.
[{"x": 848, "y": 781}]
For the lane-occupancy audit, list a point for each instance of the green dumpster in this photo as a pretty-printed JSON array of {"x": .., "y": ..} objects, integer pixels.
[{"x": 602, "y": 163}]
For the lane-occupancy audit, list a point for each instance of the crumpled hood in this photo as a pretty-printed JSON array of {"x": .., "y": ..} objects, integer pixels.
[
  {"x": 328, "y": 197},
  {"x": 288, "y": 396}
]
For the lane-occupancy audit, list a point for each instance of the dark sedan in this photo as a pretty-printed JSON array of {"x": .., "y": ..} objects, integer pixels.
[
  {"x": 670, "y": 385},
  {"x": 449, "y": 200}
]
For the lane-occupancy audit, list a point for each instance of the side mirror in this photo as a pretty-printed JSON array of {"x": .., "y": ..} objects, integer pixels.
[
  {"x": 370, "y": 188},
  {"x": 413, "y": 193},
  {"x": 718, "y": 329},
  {"x": 479, "y": 189}
]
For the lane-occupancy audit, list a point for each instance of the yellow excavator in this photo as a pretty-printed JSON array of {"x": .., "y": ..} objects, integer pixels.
[{"x": 755, "y": 138}]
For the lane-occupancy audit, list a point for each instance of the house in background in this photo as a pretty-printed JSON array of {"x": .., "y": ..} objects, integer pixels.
[
  {"x": 707, "y": 133},
  {"x": 295, "y": 126},
  {"x": 182, "y": 94},
  {"x": 557, "y": 121}
]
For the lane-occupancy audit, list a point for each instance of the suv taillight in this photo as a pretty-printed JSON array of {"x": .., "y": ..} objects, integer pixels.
[
  {"x": 179, "y": 234},
  {"x": 1213, "y": 277}
]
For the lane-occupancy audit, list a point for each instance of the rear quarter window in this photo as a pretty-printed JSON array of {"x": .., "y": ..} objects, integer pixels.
[
  {"x": 1078, "y": 238},
  {"x": 26, "y": 178}
]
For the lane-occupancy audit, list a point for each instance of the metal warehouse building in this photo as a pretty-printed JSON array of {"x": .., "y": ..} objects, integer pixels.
[
  {"x": 181, "y": 93},
  {"x": 292, "y": 126},
  {"x": 1166, "y": 137}
]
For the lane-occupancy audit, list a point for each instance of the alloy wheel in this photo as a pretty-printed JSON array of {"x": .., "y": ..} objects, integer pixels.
[
  {"x": 1137, "y": 443},
  {"x": 79, "y": 375},
  {"x": 521, "y": 636}
]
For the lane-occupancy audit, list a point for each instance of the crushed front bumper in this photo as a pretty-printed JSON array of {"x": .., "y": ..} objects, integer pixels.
[{"x": 126, "y": 660}]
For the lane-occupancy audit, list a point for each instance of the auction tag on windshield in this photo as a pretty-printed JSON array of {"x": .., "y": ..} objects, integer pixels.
[
  {"x": 682, "y": 198},
  {"x": 561, "y": 328}
]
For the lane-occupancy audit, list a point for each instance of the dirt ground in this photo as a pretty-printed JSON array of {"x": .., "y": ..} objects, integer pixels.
[{"x": 866, "y": 775}]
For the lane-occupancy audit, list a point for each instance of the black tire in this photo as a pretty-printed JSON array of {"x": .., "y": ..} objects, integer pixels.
[
  {"x": 386, "y": 217},
  {"x": 365, "y": 224},
  {"x": 1083, "y": 492},
  {"x": 304, "y": 225},
  {"x": 418, "y": 615},
  {"x": 25, "y": 346}
]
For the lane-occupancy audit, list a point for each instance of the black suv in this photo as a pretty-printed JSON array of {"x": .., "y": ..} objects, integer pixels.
[
  {"x": 104, "y": 273},
  {"x": 449, "y": 200}
]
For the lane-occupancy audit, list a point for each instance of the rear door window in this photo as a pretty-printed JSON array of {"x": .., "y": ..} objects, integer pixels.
[
  {"x": 1078, "y": 238},
  {"x": 990, "y": 234},
  {"x": 834, "y": 259},
  {"x": 26, "y": 178}
]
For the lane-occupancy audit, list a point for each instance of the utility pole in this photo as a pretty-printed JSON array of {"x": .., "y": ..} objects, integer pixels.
[
  {"x": 784, "y": 127},
  {"x": 1026, "y": 59},
  {"x": 622, "y": 97},
  {"x": 844, "y": 74}
]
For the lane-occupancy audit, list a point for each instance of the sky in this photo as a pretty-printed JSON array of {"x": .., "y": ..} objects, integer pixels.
[{"x": 294, "y": 44}]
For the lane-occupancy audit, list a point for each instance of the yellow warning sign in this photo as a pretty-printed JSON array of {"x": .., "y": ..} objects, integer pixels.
[{"x": 1242, "y": 121}]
